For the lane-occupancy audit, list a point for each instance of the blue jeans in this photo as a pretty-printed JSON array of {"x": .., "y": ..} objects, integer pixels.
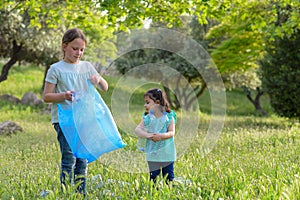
[
  {"x": 167, "y": 169},
  {"x": 70, "y": 165}
]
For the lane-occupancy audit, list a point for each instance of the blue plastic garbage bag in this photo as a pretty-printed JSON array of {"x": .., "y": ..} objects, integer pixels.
[{"x": 88, "y": 125}]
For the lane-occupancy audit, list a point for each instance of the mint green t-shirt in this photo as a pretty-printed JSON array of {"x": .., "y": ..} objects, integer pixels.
[
  {"x": 68, "y": 76},
  {"x": 164, "y": 150}
]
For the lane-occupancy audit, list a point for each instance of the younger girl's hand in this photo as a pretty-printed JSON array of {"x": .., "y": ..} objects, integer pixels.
[{"x": 156, "y": 137}]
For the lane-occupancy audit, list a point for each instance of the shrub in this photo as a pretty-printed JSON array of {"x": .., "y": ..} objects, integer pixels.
[{"x": 281, "y": 75}]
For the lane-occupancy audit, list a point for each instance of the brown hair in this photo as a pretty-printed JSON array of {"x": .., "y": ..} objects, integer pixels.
[
  {"x": 158, "y": 96},
  {"x": 72, "y": 34}
]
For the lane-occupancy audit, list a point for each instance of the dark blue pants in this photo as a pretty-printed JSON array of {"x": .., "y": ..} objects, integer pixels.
[
  {"x": 167, "y": 169},
  {"x": 70, "y": 165}
]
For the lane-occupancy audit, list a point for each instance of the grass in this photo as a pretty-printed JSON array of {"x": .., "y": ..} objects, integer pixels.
[{"x": 253, "y": 158}]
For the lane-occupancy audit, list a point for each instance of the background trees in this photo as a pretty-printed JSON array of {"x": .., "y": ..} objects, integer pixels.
[
  {"x": 31, "y": 31},
  {"x": 181, "y": 96},
  {"x": 252, "y": 31}
]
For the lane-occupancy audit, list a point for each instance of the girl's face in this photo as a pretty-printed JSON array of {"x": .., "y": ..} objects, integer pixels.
[
  {"x": 73, "y": 50},
  {"x": 149, "y": 103}
]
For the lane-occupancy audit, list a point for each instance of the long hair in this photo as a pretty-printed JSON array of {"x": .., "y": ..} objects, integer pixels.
[{"x": 159, "y": 97}]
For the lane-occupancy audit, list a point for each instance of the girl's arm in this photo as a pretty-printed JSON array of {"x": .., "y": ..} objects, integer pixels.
[
  {"x": 49, "y": 96},
  {"x": 171, "y": 132},
  {"x": 100, "y": 82},
  {"x": 140, "y": 131}
]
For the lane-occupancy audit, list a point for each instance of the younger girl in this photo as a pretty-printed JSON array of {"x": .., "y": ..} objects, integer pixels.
[
  {"x": 63, "y": 79},
  {"x": 158, "y": 127}
]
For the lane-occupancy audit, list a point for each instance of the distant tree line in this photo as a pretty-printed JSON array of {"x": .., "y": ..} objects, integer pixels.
[{"x": 254, "y": 44}]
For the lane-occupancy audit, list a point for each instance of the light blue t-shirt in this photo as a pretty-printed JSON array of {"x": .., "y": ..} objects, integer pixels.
[
  {"x": 164, "y": 150},
  {"x": 69, "y": 76}
]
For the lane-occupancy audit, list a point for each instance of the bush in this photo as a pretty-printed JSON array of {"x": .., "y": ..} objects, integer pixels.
[{"x": 281, "y": 75}]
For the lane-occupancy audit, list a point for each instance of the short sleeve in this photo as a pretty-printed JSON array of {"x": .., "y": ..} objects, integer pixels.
[
  {"x": 172, "y": 115},
  {"x": 146, "y": 119},
  {"x": 92, "y": 68},
  {"x": 52, "y": 75}
]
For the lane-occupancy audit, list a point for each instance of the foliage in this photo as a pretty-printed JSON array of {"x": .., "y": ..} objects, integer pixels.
[
  {"x": 281, "y": 74},
  {"x": 32, "y": 28},
  {"x": 170, "y": 53},
  {"x": 161, "y": 59},
  {"x": 32, "y": 32},
  {"x": 236, "y": 47},
  {"x": 247, "y": 46},
  {"x": 241, "y": 36}
]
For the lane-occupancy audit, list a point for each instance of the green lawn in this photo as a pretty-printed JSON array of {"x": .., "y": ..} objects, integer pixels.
[{"x": 253, "y": 158}]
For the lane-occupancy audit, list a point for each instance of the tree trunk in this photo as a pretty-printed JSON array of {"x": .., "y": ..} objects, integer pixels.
[
  {"x": 198, "y": 92},
  {"x": 15, "y": 57},
  {"x": 183, "y": 97},
  {"x": 256, "y": 101},
  {"x": 45, "y": 73}
]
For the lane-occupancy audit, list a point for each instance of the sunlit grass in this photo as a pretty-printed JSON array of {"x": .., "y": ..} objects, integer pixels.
[{"x": 22, "y": 79}]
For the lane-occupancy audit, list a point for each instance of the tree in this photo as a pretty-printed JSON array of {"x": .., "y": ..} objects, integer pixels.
[
  {"x": 184, "y": 75},
  {"x": 280, "y": 65},
  {"x": 20, "y": 41},
  {"x": 181, "y": 97},
  {"x": 32, "y": 32},
  {"x": 241, "y": 37}
]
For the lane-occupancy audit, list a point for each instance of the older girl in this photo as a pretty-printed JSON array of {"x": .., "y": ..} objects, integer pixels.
[{"x": 64, "y": 78}]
